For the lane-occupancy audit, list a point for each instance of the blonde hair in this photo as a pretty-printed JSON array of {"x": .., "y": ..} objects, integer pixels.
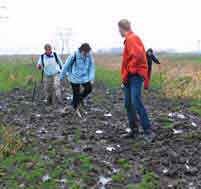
[{"x": 125, "y": 24}]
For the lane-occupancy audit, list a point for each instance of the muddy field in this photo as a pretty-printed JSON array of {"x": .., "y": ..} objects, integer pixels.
[{"x": 173, "y": 160}]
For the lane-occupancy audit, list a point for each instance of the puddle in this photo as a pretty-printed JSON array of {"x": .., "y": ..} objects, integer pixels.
[{"x": 104, "y": 181}]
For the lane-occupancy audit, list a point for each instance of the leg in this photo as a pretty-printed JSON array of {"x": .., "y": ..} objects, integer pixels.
[
  {"x": 49, "y": 82},
  {"x": 87, "y": 90},
  {"x": 131, "y": 112},
  {"x": 136, "y": 87},
  {"x": 57, "y": 87},
  {"x": 76, "y": 95}
]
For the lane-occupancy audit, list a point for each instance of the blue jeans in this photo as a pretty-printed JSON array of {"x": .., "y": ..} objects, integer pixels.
[{"x": 133, "y": 103}]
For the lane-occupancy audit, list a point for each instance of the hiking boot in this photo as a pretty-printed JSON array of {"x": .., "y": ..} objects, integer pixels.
[
  {"x": 49, "y": 101},
  {"x": 149, "y": 137},
  {"x": 78, "y": 113},
  {"x": 60, "y": 102}
]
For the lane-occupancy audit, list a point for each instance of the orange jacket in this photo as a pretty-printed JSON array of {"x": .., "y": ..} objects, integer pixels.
[{"x": 134, "y": 58}]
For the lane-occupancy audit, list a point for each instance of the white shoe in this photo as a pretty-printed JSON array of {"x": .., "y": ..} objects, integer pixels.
[{"x": 78, "y": 113}]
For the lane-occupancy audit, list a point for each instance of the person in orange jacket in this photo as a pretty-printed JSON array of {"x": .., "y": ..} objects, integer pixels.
[{"x": 134, "y": 71}]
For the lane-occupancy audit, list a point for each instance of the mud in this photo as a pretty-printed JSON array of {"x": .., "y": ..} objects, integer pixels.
[{"x": 175, "y": 155}]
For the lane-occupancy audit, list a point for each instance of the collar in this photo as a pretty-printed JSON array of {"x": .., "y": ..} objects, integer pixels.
[
  {"x": 127, "y": 35},
  {"x": 49, "y": 56}
]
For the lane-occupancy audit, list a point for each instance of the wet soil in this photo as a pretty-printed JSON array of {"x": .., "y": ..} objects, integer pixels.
[{"x": 175, "y": 157}]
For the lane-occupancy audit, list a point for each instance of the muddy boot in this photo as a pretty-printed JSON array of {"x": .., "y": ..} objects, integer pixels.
[
  {"x": 49, "y": 101},
  {"x": 60, "y": 101},
  {"x": 149, "y": 137},
  {"x": 77, "y": 111}
]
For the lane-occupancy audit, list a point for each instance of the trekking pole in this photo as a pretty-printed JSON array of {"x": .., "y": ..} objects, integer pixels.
[{"x": 35, "y": 84}]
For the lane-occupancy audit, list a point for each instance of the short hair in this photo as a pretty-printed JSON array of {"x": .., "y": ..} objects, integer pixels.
[
  {"x": 47, "y": 46},
  {"x": 125, "y": 24},
  {"x": 85, "y": 47},
  {"x": 150, "y": 50}
]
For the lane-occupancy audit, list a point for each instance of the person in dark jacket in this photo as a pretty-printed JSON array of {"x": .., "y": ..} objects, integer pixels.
[{"x": 150, "y": 59}]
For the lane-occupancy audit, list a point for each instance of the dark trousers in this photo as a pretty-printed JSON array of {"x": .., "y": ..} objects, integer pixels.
[
  {"x": 79, "y": 96},
  {"x": 133, "y": 102}
]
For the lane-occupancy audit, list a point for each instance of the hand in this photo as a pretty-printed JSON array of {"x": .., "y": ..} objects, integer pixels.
[
  {"x": 38, "y": 66},
  {"x": 122, "y": 85},
  {"x": 92, "y": 82}
]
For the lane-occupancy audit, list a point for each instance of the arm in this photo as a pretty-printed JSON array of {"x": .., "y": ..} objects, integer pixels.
[
  {"x": 39, "y": 63},
  {"x": 66, "y": 67},
  {"x": 155, "y": 60},
  {"x": 92, "y": 68}
]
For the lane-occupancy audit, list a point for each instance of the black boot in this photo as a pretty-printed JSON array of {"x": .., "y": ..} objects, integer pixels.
[{"x": 50, "y": 101}]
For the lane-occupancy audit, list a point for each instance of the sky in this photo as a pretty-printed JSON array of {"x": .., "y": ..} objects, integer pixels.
[{"x": 161, "y": 24}]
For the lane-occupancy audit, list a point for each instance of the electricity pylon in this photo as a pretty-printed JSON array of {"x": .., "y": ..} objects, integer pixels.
[{"x": 64, "y": 35}]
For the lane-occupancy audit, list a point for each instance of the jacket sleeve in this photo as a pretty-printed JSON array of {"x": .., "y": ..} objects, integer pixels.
[
  {"x": 92, "y": 68},
  {"x": 39, "y": 61},
  {"x": 155, "y": 60},
  {"x": 66, "y": 67}
]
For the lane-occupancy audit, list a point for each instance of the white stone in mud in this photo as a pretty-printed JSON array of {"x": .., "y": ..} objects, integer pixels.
[
  {"x": 99, "y": 132},
  {"x": 104, "y": 181},
  {"x": 194, "y": 124},
  {"x": 128, "y": 130},
  {"x": 108, "y": 115},
  {"x": 110, "y": 149},
  {"x": 165, "y": 171},
  {"x": 171, "y": 115},
  {"x": 176, "y": 132},
  {"x": 181, "y": 116},
  {"x": 38, "y": 115},
  {"x": 45, "y": 178}
]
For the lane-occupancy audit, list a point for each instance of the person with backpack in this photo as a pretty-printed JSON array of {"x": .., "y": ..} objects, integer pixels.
[
  {"x": 51, "y": 64},
  {"x": 80, "y": 69},
  {"x": 150, "y": 59},
  {"x": 134, "y": 71}
]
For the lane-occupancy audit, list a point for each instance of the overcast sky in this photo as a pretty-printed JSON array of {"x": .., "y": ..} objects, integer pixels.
[{"x": 159, "y": 23}]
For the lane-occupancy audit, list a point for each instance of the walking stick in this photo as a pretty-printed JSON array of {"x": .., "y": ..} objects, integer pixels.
[{"x": 35, "y": 84}]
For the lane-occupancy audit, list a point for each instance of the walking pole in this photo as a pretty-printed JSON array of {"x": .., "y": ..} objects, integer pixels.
[{"x": 35, "y": 85}]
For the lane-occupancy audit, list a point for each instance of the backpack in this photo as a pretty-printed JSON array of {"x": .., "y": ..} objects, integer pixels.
[{"x": 56, "y": 58}]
